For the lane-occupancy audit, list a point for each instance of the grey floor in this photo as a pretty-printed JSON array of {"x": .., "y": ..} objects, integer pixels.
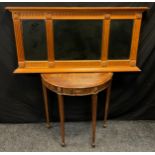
[{"x": 119, "y": 136}]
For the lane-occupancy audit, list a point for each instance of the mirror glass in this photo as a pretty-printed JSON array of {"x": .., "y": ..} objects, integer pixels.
[
  {"x": 77, "y": 39},
  {"x": 34, "y": 39},
  {"x": 120, "y": 39}
]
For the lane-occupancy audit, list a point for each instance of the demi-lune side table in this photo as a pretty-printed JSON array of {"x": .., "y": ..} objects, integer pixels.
[{"x": 77, "y": 84}]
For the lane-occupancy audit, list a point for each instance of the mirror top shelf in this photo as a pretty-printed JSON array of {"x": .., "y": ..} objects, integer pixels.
[{"x": 140, "y": 9}]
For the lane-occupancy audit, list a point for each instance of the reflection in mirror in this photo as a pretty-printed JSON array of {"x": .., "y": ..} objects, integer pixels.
[
  {"x": 77, "y": 39},
  {"x": 34, "y": 39},
  {"x": 120, "y": 39}
]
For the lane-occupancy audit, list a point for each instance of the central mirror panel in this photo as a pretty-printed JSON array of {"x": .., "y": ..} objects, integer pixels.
[{"x": 77, "y": 39}]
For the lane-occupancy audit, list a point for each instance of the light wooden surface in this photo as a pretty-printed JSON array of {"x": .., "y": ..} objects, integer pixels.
[
  {"x": 77, "y": 70},
  {"x": 77, "y": 84},
  {"x": 48, "y": 14},
  {"x": 77, "y": 8},
  {"x": 77, "y": 80}
]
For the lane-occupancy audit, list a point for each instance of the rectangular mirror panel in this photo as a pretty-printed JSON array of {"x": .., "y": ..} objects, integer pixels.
[
  {"x": 34, "y": 39},
  {"x": 77, "y": 39},
  {"x": 120, "y": 39}
]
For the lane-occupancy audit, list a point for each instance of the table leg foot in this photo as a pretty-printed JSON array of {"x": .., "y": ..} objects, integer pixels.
[
  {"x": 63, "y": 144},
  {"x": 48, "y": 126},
  {"x": 93, "y": 145},
  {"x": 105, "y": 125}
]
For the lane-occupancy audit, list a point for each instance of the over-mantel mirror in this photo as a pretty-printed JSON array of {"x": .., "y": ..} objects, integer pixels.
[{"x": 76, "y": 39}]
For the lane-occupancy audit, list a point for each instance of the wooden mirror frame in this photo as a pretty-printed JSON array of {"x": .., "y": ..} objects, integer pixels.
[{"x": 76, "y": 13}]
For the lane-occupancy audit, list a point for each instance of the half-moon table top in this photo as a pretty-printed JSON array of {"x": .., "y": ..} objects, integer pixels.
[
  {"x": 77, "y": 84},
  {"x": 76, "y": 80}
]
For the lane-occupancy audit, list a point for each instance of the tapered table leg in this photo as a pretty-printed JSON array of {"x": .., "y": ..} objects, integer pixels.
[
  {"x": 94, "y": 113},
  {"x": 61, "y": 114},
  {"x": 107, "y": 105},
  {"x": 46, "y": 106}
]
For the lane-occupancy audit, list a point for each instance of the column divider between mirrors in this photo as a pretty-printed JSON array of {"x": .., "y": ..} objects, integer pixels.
[
  {"x": 50, "y": 39},
  {"x": 105, "y": 40}
]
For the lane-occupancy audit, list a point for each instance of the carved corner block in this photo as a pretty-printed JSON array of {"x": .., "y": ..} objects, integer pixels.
[
  {"x": 48, "y": 16},
  {"x": 16, "y": 16},
  {"x": 104, "y": 63},
  {"x": 107, "y": 16},
  {"x": 50, "y": 64},
  {"x": 138, "y": 16},
  {"x": 21, "y": 64},
  {"x": 133, "y": 63}
]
